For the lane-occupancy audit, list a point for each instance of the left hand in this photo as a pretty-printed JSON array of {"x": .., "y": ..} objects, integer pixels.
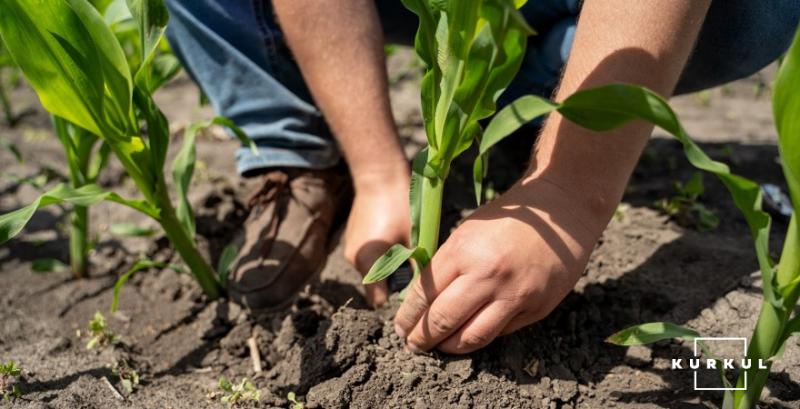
[
  {"x": 371, "y": 229},
  {"x": 507, "y": 266}
]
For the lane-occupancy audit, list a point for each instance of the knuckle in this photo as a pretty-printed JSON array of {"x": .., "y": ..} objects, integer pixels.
[
  {"x": 439, "y": 322},
  {"x": 474, "y": 340}
]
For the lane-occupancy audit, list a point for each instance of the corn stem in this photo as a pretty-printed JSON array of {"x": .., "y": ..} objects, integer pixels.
[
  {"x": 430, "y": 214},
  {"x": 79, "y": 241},
  {"x": 187, "y": 248},
  {"x": 769, "y": 332}
]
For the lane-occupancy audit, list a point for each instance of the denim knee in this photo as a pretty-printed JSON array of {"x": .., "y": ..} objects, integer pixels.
[{"x": 739, "y": 38}]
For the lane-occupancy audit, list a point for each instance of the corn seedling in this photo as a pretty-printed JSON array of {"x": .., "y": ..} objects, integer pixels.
[
  {"x": 9, "y": 372},
  {"x": 777, "y": 321},
  {"x": 77, "y": 65},
  {"x": 101, "y": 335},
  {"x": 685, "y": 206},
  {"x": 237, "y": 394}
]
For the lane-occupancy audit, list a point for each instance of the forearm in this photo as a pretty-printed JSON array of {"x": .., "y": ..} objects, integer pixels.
[
  {"x": 645, "y": 42},
  {"x": 338, "y": 45}
]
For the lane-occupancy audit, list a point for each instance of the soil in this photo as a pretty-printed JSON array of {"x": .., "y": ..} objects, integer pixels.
[{"x": 334, "y": 352}]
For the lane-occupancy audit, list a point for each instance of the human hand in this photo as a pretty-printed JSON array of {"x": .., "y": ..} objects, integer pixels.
[
  {"x": 378, "y": 219},
  {"x": 507, "y": 266}
]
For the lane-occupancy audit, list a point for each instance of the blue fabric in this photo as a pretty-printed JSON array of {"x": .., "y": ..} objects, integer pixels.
[{"x": 235, "y": 51}]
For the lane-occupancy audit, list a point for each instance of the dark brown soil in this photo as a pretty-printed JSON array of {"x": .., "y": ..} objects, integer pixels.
[{"x": 334, "y": 352}]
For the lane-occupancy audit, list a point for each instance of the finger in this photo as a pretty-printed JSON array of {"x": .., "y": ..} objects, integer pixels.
[
  {"x": 522, "y": 320},
  {"x": 448, "y": 312},
  {"x": 486, "y": 325},
  {"x": 424, "y": 289},
  {"x": 377, "y": 294}
]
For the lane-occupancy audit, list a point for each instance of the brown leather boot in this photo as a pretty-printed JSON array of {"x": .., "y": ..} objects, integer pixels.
[{"x": 286, "y": 235}]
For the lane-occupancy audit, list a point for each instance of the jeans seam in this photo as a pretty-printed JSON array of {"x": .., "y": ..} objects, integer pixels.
[{"x": 262, "y": 19}]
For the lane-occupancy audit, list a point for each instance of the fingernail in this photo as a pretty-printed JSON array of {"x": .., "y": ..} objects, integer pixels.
[
  {"x": 400, "y": 331},
  {"x": 413, "y": 348}
]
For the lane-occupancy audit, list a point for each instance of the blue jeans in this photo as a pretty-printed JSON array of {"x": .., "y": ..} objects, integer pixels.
[{"x": 236, "y": 52}]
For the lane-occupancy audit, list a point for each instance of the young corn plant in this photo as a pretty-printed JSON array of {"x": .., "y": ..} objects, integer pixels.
[
  {"x": 85, "y": 163},
  {"x": 777, "y": 321},
  {"x": 78, "y": 67}
]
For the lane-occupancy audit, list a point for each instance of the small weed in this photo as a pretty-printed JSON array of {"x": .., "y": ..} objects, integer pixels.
[
  {"x": 101, "y": 335},
  {"x": 684, "y": 207},
  {"x": 8, "y": 373},
  {"x": 621, "y": 212},
  {"x": 292, "y": 398},
  {"x": 237, "y": 394},
  {"x": 127, "y": 375}
]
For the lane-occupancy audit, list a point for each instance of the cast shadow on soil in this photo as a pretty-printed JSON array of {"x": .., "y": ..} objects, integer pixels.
[{"x": 63, "y": 382}]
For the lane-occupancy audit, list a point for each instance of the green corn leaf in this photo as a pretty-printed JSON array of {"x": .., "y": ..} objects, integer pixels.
[
  {"x": 479, "y": 170},
  {"x": 516, "y": 114},
  {"x": 237, "y": 132},
  {"x": 183, "y": 166},
  {"x": 138, "y": 266},
  {"x": 226, "y": 262},
  {"x": 163, "y": 68},
  {"x": 651, "y": 332},
  {"x": 101, "y": 5},
  {"x": 157, "y": 128},
  {"x": 131, "y": 230},
  {"x": 99, "y": 162},
  {"x": 182, "y": 172},
  {"x": 415, "y": 193},
  {"x": 151, "y": 20},
  {"x": 390, "y": 261},
  {"x": 79, "y": 71},
  {"x": 611, "y": 106},
  {"x": 48, "y": 265},
  {"x": 12, "y": 223},
  {"x": 72, "y": 60},
  {"x": 786, "y": 109}
]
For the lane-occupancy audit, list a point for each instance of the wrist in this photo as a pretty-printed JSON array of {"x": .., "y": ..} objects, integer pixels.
[{"x": 378, "y": 177}]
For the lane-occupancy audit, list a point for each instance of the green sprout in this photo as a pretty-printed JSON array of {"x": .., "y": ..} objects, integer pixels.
[
  {"x": 685, "y": 207},
  {"x": 292, "y": 398},
  {"x": 8, "y": 373},
  {"x": 102, "y": 82},
  {"x": 777, "y": 321},
  {"x": 101, "y": 335},
  {"x": 237, "y": 394},
  {"x": 128, "y": 376}
]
